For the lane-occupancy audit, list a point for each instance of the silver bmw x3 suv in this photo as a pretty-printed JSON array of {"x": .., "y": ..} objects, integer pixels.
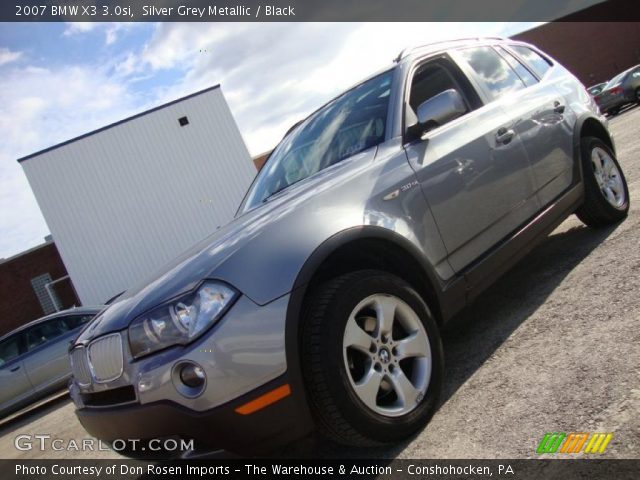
[{"x": 374, "y": 221}]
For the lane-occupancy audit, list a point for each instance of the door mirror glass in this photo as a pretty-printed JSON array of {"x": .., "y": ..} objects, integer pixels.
[{"x": 441, "y": 109}]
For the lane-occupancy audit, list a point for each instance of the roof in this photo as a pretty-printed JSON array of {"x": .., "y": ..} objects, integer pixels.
[
  {"x": 124, "y": 120},
  {"x": 442, "y": 45},
  {"x": 71, "y": 311}
]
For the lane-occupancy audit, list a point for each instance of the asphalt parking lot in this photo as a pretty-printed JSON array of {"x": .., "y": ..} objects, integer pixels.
[{"x": 554, "y": 346}]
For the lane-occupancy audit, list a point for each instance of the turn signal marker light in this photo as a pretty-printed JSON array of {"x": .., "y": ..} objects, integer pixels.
[{"x": 265, "y": 400}]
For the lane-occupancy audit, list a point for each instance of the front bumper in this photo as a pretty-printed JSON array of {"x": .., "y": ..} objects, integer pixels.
[
  {"x": 242, "y": 356},
  {"x": 245, "y": 350},
  {"x": 219, "y": 428}
]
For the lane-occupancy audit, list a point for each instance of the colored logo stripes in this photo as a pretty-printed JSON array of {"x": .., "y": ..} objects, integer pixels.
[{"x": 573, "y": 442}]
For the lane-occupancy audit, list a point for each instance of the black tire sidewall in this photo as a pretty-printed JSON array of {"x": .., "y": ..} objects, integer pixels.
[{"x": 368, "y": 423}]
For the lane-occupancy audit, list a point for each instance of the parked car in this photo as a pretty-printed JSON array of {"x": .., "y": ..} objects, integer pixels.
[
  {"x": 621, "y": 90},
  {"x": 374, "y": 221},
  {"x": 34, "y": 359}
]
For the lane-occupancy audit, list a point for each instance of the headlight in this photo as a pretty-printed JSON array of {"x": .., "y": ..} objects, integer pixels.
[{"x": 181, "y": 321}]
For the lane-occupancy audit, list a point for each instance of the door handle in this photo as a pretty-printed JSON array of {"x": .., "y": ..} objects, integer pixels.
[
  {"x": 558, "y": 107},
  {"x": 14, "y": 369},
  {"x": 504, "y": 135}
]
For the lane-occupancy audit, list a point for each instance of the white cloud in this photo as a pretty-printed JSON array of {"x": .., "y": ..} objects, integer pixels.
[
  {"x": 111, "y": 30},
  {"x": 275, "y": 74},
  {"x": 8, "y": 56},
  {"x": 271, "y": 74},
  {"x": 74, "y": 28},
  {"x": 131, "y": 64},
  {"x": 42, "y": 107}
]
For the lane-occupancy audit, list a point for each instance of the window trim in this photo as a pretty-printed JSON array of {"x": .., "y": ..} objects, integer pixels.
[
  {"x": 510, "y": 47},
  {"x": 443, "y": 58},
  {"x": 501, "y": 48}
]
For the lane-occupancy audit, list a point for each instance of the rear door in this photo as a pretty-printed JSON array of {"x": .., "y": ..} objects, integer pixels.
[
  {"x": 543, "y": 120},
  {"x": 15, "y": 387},
  {"x": 473, "y": 171}
]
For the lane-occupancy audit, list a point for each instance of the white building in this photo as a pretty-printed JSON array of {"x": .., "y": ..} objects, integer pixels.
[{"x": 125, "y": 199}]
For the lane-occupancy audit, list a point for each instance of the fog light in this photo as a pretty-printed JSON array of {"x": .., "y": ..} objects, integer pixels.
[
  {"x": 144, "y": 385},
  {"x": 192, "y": 375}
]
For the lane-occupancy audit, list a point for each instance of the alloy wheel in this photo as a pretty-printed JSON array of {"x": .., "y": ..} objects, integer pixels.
[
  {"x": 608, "y": 177},
  {"x": 387, "y": 355}
]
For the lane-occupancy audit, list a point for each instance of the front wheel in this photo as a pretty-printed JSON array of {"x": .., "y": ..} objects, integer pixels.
[
  {"x": 605, "y": 188},
  {"x": 372, "y": 359}
]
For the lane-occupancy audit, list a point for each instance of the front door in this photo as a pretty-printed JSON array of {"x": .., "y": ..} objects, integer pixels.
[{"x": 474, "y": 171}]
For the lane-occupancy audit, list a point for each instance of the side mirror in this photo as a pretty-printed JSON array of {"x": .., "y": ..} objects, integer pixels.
[{"x": 441, "y": 108}]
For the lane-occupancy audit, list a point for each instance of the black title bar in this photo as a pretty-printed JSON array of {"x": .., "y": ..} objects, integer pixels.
[
  {"x": 315, "y": 10},
  {"x": 549, "y": 469}
]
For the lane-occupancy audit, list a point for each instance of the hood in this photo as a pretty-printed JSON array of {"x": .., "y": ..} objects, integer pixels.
[{"x": 209, "y": 258}]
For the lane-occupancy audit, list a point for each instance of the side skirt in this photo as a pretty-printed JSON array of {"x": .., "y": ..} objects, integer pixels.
[{"x": 486, "y": 270}]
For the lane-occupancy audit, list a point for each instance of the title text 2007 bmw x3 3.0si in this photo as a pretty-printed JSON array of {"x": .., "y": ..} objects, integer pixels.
[{"x": 373, "y": 222}]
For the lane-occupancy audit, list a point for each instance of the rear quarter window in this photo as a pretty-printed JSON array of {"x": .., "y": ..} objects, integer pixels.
[{"x": 536, "y": 62}]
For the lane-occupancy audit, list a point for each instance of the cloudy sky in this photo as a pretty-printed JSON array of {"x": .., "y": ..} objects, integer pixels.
[{"x": 58, "y": 81}]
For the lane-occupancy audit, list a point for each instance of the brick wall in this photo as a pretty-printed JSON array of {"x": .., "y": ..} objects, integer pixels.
[
  {"x": 260, "y": 160},
  {"x": 593, "y": 51},
  {"x": 18, "y": 301}
]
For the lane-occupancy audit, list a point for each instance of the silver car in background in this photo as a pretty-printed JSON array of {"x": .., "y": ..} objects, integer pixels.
[
  {"x": 34, "y": 360},
  {"x": 621, "y": 90}
]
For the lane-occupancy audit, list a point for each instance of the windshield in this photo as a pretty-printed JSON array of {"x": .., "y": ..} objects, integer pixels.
[
  {"x": 349, "y": 124},
  {"x": 614, "y": 81}
]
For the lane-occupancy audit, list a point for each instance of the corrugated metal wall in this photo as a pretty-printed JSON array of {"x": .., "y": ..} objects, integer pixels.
[{"x": 124, "y": 201}]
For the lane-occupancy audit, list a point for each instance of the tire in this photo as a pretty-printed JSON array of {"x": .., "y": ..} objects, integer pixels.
[
  {"x": 638, "y": 96},
  {"x": 605, "y": 188},
  {"x": 331, "y": 369}
]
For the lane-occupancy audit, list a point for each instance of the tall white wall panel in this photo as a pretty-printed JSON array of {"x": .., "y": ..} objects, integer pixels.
[{"x": 125, "y": 200}]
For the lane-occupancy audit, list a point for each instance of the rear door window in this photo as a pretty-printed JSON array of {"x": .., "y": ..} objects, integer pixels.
[
  {"x": 493, "y": 71},
  {"x": 533, "y": 59},
  {"x": 45, "y": 333}
]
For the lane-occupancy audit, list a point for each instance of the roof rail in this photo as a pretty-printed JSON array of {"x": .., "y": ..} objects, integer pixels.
[{"x": 404, "y": 52}]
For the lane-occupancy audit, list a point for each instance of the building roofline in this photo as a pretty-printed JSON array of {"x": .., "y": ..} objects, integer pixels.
[
  {"x": 26, "y": 252},
  {"x": 111, "y": 125}
]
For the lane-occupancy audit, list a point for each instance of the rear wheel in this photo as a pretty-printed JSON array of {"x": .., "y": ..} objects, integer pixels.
[
  {"x": 372, "y": 359},
  {"x": 606, "y": 192}
]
